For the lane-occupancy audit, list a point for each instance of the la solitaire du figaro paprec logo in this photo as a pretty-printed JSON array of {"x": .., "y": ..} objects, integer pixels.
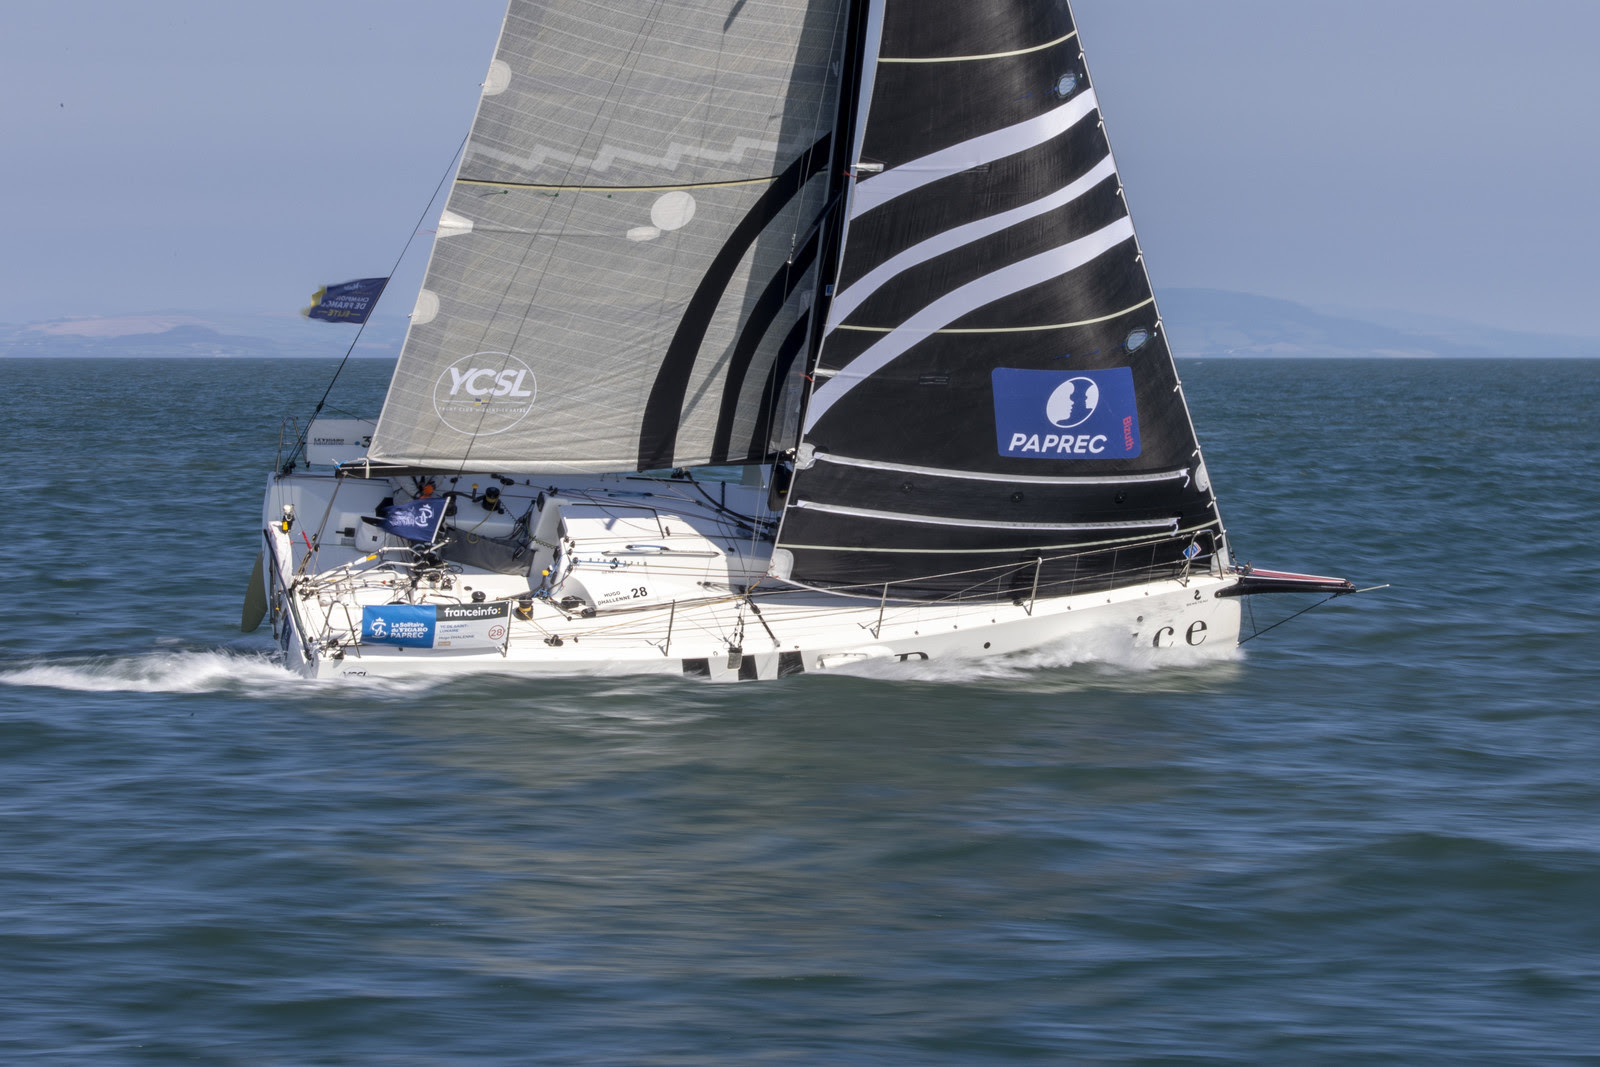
[
  {"x": 1086, "y": 414},
  {"x": 484, "y": 393}
]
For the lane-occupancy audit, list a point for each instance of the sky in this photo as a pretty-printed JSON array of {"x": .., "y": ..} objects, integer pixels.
[{"x": 1439, "y": 157}]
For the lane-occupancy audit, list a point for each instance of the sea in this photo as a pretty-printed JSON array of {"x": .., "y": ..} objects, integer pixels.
[{"x": 1369, "y": 835}]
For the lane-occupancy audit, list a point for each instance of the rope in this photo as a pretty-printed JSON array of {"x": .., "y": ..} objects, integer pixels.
[
  {"x": 1296, "y": 615},
  {"x": 415, "y": 229}
]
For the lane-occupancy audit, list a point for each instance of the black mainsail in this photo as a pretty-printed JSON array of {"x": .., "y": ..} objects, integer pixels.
[{"x": 994, "y": 399}]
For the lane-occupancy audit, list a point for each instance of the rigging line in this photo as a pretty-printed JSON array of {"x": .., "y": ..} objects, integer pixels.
[
  {"x": 1144, "y": 265},
  {"x": 1296, "y": 615},
  {"x": 415, "y": 229},
  {"x": 617, "y": 188},
  {"x": 990, "y": 55},
  {"x": 746, "y": 521},
  {"x": 628, "y": 65},
  {"x": 1010, "y": 329}
]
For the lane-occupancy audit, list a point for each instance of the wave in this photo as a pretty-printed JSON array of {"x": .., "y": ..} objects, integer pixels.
[{"x": 1107, "y": 657}]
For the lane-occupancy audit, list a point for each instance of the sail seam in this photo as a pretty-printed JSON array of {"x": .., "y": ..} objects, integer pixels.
[
  {"x": 937, "y": 520},
  {"x": 968, "y": 298},
  {"x": 988, "y": 55},
  {"x": 979, "y": 476}
]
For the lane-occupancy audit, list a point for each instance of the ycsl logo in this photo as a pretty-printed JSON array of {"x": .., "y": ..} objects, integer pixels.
[
  {"x": 484, "y": 381},
  {"x": 484, "y": 393},
  {"x": 1089, "y": 414}
]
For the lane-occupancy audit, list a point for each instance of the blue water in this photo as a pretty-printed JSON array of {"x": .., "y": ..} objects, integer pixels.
[{"x": 1372, "y": 837}]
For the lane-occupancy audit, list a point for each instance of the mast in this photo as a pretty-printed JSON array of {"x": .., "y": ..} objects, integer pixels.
[{"x": 994, "y": 399}]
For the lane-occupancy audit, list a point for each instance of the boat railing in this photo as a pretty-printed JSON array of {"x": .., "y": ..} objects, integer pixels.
[{"x": 1023, "y": 582}]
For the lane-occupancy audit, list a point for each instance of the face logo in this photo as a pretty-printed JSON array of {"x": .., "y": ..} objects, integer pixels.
[
  {"x": 1073, "y": 403},
  {"x": 484, "y": 393}
]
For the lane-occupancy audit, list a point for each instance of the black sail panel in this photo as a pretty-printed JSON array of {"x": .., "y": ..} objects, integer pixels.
[{"x": 994, "y": 398}]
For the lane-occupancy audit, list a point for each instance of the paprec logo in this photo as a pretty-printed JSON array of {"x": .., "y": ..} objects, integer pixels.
[{"x": 1087, "y": 414}]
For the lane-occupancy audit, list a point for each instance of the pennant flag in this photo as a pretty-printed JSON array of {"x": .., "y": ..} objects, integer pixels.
[
  {"x": 416, "y": 520},
  {"x": 347, "y": 301}
]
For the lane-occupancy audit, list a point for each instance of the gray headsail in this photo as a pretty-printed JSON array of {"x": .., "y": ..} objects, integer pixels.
[
  {"x": 995, "y": 406},
  {"x": 628, "y": 257}
]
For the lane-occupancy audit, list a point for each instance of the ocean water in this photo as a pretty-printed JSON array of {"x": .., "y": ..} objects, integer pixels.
[{"x": 1373, "y": 835}]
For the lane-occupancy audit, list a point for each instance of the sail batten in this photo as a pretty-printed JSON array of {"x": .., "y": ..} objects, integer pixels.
[{"x": 971, "y": 59}]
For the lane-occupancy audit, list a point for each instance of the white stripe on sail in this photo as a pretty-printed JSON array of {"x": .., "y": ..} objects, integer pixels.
[
  {"x": 950, "y": 307},
  {"x": 983, "y": 524},
  {"x": 849, "y": 299},
  {"x": 897, "y": 181}
]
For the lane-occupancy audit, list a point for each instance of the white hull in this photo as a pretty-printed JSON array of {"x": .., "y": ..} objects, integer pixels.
[
  {"x": 819, "y": 634},
  {"x": 687, "y": 626}
]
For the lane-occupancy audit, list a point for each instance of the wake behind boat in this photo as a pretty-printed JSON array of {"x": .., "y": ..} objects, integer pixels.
[{"x": 760, "y": 340}]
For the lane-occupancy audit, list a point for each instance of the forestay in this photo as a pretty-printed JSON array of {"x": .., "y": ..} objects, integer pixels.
[
  {"x": 994, "y": 387},
  {"x": 623, "y": 275}
]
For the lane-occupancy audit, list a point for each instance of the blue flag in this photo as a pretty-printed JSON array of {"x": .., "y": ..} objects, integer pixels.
[
  {"x": 347, "y": 301},
  {"x": 416, "y": 520}
]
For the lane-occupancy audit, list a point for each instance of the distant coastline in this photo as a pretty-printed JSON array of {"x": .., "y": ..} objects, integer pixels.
[{"x": 1203, "y": 323}]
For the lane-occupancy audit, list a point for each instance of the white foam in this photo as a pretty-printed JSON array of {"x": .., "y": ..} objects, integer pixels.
[{"x": 156, "y": 672}]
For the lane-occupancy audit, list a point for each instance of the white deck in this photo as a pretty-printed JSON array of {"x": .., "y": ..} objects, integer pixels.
[{"x": 650, "y": 577}]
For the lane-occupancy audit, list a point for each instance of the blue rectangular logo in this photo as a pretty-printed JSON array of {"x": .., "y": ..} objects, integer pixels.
[
  {"x": 1049, "y": 414},
  {"x": 408, "y": 625}
]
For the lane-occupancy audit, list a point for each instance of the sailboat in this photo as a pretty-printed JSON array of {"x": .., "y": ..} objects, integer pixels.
[{"x": 763, "y": 337}]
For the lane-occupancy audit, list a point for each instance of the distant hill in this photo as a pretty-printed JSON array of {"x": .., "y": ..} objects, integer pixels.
[
  {"x": 1215, "y": 323},
  {"x": 1202, "y": 322},
  {"x": 183, "y": 334}
]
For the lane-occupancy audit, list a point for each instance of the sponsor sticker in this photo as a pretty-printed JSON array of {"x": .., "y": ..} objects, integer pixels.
[
  {"x": 453, "y": 626},
  {"x": 473, "y": 625},
  {"x": 1085, "y": 414},
  {"x": 406, "y": 625}
]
